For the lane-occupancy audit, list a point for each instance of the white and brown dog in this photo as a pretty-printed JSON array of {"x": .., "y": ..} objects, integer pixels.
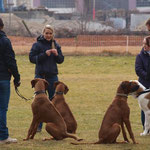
[{"x": 143, "y": 96}]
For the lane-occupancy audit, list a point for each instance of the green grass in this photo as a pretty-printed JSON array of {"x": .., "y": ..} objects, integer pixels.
[{"x": 92, "y": 82}]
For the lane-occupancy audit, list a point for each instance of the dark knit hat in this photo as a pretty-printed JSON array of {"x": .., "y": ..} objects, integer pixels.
[{"x": 1, "y": 23}]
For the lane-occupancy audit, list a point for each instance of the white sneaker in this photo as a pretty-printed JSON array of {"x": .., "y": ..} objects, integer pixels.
[{"x": 8, "y": 141}]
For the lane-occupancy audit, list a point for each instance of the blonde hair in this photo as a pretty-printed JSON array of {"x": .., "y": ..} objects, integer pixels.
[
  {"x": 48, "y": 27},
  {"x": 147, "y": 40}
]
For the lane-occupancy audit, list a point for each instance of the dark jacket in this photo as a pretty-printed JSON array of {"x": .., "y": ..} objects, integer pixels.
[
  {"x": 142, "y": 68},
  {"x": 45, "y": 65},
  {"x": 8, "y": 64}
]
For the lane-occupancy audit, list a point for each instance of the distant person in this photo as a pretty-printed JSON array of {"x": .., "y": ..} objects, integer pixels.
[
  {"x": 142, "y": 68},
  {"x": 8, "y": 67},
  {"x": 46, "y": 54},
  {"x": 148, "y": 24}
]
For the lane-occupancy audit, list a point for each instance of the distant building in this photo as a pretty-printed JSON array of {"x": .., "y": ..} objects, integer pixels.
[
  {"x": 111, "y": 4},
  {"x": 36, "y": 3},
  {"x": 83, "y": 6},
  {"x": 2, "y": 9},
  {"x": 87, "y": 5},
  {"x": 28, "y": 3},
  {"x": 132, "y": 4},
  {"x": 58, "y": 3},
  {"x": 143, "y": 5}
]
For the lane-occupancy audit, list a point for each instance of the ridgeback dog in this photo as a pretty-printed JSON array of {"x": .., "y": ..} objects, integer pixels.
[
  {"x": 44, "y": 111},
  {"x": 61, "y": 105},
  {"x": 116, "y": 116}
]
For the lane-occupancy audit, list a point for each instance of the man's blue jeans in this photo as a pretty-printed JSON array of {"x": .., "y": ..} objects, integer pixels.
[
  {"x": 51, "y": 89},
  {"x": 4, "y": 101}
]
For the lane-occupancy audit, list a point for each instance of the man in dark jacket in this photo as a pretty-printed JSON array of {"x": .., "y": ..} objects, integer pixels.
[
  {"x": 8, "y": 67},
  {"x": 46, "y": 54},
  {"x": 142, "y": 68}
]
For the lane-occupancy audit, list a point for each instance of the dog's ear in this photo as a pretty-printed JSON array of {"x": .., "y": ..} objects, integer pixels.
[
  {"x": 33, "y": 82},
  {"x": 124, "y": 84},
  {"x": 46, "y": 84},
  {"x": 66, "y": 89},
  {"x": 134, "y": 86},
  {"x": 56, "y": 83}
]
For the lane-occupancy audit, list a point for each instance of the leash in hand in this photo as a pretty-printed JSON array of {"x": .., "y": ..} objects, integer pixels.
[{"x": 18, "y": 93}]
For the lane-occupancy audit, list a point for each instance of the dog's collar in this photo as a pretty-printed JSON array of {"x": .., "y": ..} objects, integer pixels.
[
  {"x": 121, "y": 94},
  {"x": 140, "y": 93},
  {"x": 39, "y": 92},
  {"x": 59, "y": 93}
]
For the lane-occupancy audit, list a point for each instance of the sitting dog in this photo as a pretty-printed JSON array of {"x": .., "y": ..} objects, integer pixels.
[
  {"x": 61, "y": 105},
  {"x": 44, "y": 111},
  {"x": 143, "y": 96},
  {"x": 116, "y": 116}
]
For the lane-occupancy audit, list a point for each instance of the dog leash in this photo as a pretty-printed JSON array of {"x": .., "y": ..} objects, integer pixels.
[
  {"x": 145, "y": 91},
  {"x": 18, "y": 93}
]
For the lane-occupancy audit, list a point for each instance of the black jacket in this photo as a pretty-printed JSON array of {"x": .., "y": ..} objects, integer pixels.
[
  {"x": 8, "y": 64},
  {"x": 142, "y": 68},
  {"x": 45, "y": 65}
]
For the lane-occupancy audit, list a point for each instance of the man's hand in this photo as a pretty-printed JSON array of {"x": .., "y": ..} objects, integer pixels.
[{"x": 17, "y": 83}]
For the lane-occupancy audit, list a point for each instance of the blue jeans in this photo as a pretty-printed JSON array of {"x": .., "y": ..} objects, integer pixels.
[
  {"x": 51, "y": 89},
  {"x": 4, "y": 101},
  {"x": 51, "y": 81}
]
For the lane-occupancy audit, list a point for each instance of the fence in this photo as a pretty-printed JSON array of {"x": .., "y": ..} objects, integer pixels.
[
  {"x": 88, "y": 44},
  {"x": 103, "y": 43}
]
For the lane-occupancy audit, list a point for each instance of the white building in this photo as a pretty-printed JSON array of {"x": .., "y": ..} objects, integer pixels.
[{"x": 27, "y": 3}]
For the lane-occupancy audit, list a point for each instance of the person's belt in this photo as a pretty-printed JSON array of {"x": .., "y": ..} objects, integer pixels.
[{"x": 47, "y": 75}]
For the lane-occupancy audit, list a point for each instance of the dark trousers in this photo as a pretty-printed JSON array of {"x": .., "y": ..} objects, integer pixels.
[
  {"x": 142, "y": 118},
  {"x": 4, "y": 101},
  {"x": 51, "y": 89}
]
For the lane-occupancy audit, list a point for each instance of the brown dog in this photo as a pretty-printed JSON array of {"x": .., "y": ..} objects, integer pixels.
[
  {"x": 44, "y": 111},
  {"x": 116, "y": 116},
  {"x": 61, "y": 105}
]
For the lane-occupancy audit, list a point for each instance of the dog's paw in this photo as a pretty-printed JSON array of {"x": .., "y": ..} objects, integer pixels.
[
  {"x": 124, "y": 142},
  {"x": 25, "y": 139},
  {"x": 47, "y": 139},
  {"x": 144, "y": 134}
]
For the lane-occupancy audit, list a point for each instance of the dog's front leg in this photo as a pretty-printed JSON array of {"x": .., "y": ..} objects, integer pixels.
[
  {"x": 124, "y": 133},
  {"x": 147, "y": 124},
  {"x": 128, "y": 125},
  {"x": 34, "y": 130},
  {"x": 30, "y": 131}
]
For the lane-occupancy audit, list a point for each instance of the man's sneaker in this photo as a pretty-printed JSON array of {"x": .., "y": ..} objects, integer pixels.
[{"x": 8, "y": 140}]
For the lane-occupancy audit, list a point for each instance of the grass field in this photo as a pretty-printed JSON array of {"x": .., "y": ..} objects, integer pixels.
[
  {"x": 79, "y": 50},
  {"x": 92, "y": 82}
]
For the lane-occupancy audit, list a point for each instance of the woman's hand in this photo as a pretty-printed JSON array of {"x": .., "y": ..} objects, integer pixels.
[
  {"x": 48, "y": 52},
  {"x": 54, "y": 51}
]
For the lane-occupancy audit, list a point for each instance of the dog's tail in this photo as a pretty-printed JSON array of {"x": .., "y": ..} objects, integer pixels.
[
  {"x": 69, "y": 135},
  {"x": 98, "y": 142}
]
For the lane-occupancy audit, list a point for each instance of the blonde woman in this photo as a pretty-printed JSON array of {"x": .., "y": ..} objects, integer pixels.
[
  {"x": 142, "y": 68},
  {"x": 46, "y": 54}
]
